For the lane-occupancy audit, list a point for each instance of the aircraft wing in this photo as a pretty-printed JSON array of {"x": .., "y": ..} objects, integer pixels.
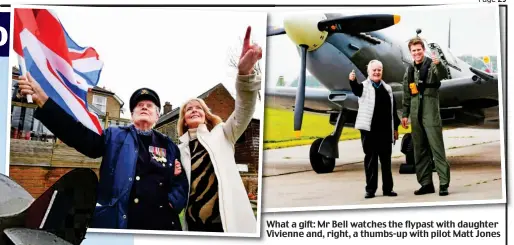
[
  {"x": 479, "y": 87},
  {"x": 64, "y": 210},
  {"x": 316, "y": 99},
  {"x": 24, "y": 236}
]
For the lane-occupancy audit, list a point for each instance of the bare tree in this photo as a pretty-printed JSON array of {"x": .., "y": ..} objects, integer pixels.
[{"x": 235, "y": 54}]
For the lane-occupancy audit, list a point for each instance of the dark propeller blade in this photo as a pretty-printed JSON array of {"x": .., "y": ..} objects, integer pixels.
[
  {"x": 274, "y": 31},
  {"x": 300, "y": 93},
  {"x": 358, "y": 23}
]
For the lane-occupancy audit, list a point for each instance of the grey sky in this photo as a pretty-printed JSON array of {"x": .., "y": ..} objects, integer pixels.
[
  {"x": 179, "y": 53},
  {"x": 474, "y": 30}
]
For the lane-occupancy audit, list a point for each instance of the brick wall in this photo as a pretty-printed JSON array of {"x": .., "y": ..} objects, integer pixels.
[
  {"x": 247, "y": 152},
  {"x": 170, "y": 129},
  {"x": 247, "y": 147},
  {"x": 36, "y": 179},
  {"x": 220, "y": 102}
]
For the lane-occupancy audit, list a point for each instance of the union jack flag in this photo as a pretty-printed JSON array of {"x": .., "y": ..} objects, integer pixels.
[{"x": 64, "y": 70}]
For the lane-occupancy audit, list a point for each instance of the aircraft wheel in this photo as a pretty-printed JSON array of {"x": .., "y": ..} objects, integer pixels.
[
  {"x": 408, "y": 150},
  {"x": 320, "y": 164}
]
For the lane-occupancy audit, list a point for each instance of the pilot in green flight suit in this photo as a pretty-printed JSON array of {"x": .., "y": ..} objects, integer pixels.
[{"x": 421, "y": 83}]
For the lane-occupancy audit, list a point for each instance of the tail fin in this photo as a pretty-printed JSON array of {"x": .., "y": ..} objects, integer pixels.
[{"x": 64, "y": 210}]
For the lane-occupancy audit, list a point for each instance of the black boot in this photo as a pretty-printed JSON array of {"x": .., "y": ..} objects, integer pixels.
[
  {"x": 390, "y": 194},
  {"x": 369, "y": 195},
  {"x": 426, "y": 189},
  {"x": 443, "y": 190}
]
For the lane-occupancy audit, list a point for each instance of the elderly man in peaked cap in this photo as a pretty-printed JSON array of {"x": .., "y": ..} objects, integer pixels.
[{"x": 138, "y": 187}]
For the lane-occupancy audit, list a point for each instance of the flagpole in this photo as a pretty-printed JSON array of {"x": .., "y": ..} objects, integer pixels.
[{"x": 23, "y": 69}]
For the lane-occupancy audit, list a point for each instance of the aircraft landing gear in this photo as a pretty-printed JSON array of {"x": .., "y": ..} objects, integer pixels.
[
  {"x": 407, "y": 148},
  {"x": 319, "y": 163},
  {"x": 323, "y": 152}
]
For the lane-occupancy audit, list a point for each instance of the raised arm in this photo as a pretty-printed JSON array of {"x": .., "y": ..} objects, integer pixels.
[
  {"x": 439, "y": 70},
  {"x": 247, "y": 88},
  {"x": 60, "y": 123},
  {"x": 356, "y": 87}
]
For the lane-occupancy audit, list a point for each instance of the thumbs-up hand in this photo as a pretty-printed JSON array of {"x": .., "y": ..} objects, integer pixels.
[
  {"x": 435, "y": 59},
  {"x": 352, "y": 75}
]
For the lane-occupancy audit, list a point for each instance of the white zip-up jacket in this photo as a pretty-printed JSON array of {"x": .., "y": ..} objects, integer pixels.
[{"x": 367, "y": 106}]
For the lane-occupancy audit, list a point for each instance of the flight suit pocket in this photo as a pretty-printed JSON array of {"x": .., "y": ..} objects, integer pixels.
[
  {"x": 431, "y": 112},
  {"x": 431, "y": 92}
]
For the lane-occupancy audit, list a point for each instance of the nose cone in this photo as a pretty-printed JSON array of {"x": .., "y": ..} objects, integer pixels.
[{"x": 303, "y": 30}]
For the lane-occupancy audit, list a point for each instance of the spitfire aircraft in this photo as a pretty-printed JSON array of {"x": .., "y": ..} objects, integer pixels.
[
  {"x": 332, "y": 45},
  {"x": 60, "y": 216}
]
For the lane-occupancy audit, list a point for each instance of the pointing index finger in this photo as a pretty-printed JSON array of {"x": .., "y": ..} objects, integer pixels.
[{"x": 246, "y": 43}]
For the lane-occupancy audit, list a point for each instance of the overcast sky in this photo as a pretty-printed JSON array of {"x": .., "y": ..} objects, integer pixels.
[
  {"x": 182, "y": 53},
  {"x": 178, "y": 53},
  {"x": 474, "y": 30}
]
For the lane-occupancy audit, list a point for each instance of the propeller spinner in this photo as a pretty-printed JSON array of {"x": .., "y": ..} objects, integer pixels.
[
  {"x": 303, "y": 30},
  {"x": 309, "y": 32}
]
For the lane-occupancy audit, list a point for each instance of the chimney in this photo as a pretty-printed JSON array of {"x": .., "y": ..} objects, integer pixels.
[{"x": 167, "y": 107}]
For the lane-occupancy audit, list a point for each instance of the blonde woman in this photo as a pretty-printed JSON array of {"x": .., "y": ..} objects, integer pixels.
[{"x": 218, "y": 201}]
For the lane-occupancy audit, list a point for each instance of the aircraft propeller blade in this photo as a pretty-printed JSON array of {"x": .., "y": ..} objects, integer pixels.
[
  {"x": 358, "y": 23},
  {"x": 300, "y": 93}
]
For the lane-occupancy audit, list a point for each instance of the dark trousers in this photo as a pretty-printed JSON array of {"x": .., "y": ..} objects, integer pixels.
[
  {"x": 210, "y": 227},
  {"x": 377, "y": 146},
  {"x": 151, "y": 217}
]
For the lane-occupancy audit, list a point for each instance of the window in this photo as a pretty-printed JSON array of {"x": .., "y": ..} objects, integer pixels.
[
  {"x": 100, "y": 102},
  {"x": 40, "y": 132},
  {"x": 242, "y": 167},
  {"x": 22, "y": 122},
  {"x": 25, "y": 127}
]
